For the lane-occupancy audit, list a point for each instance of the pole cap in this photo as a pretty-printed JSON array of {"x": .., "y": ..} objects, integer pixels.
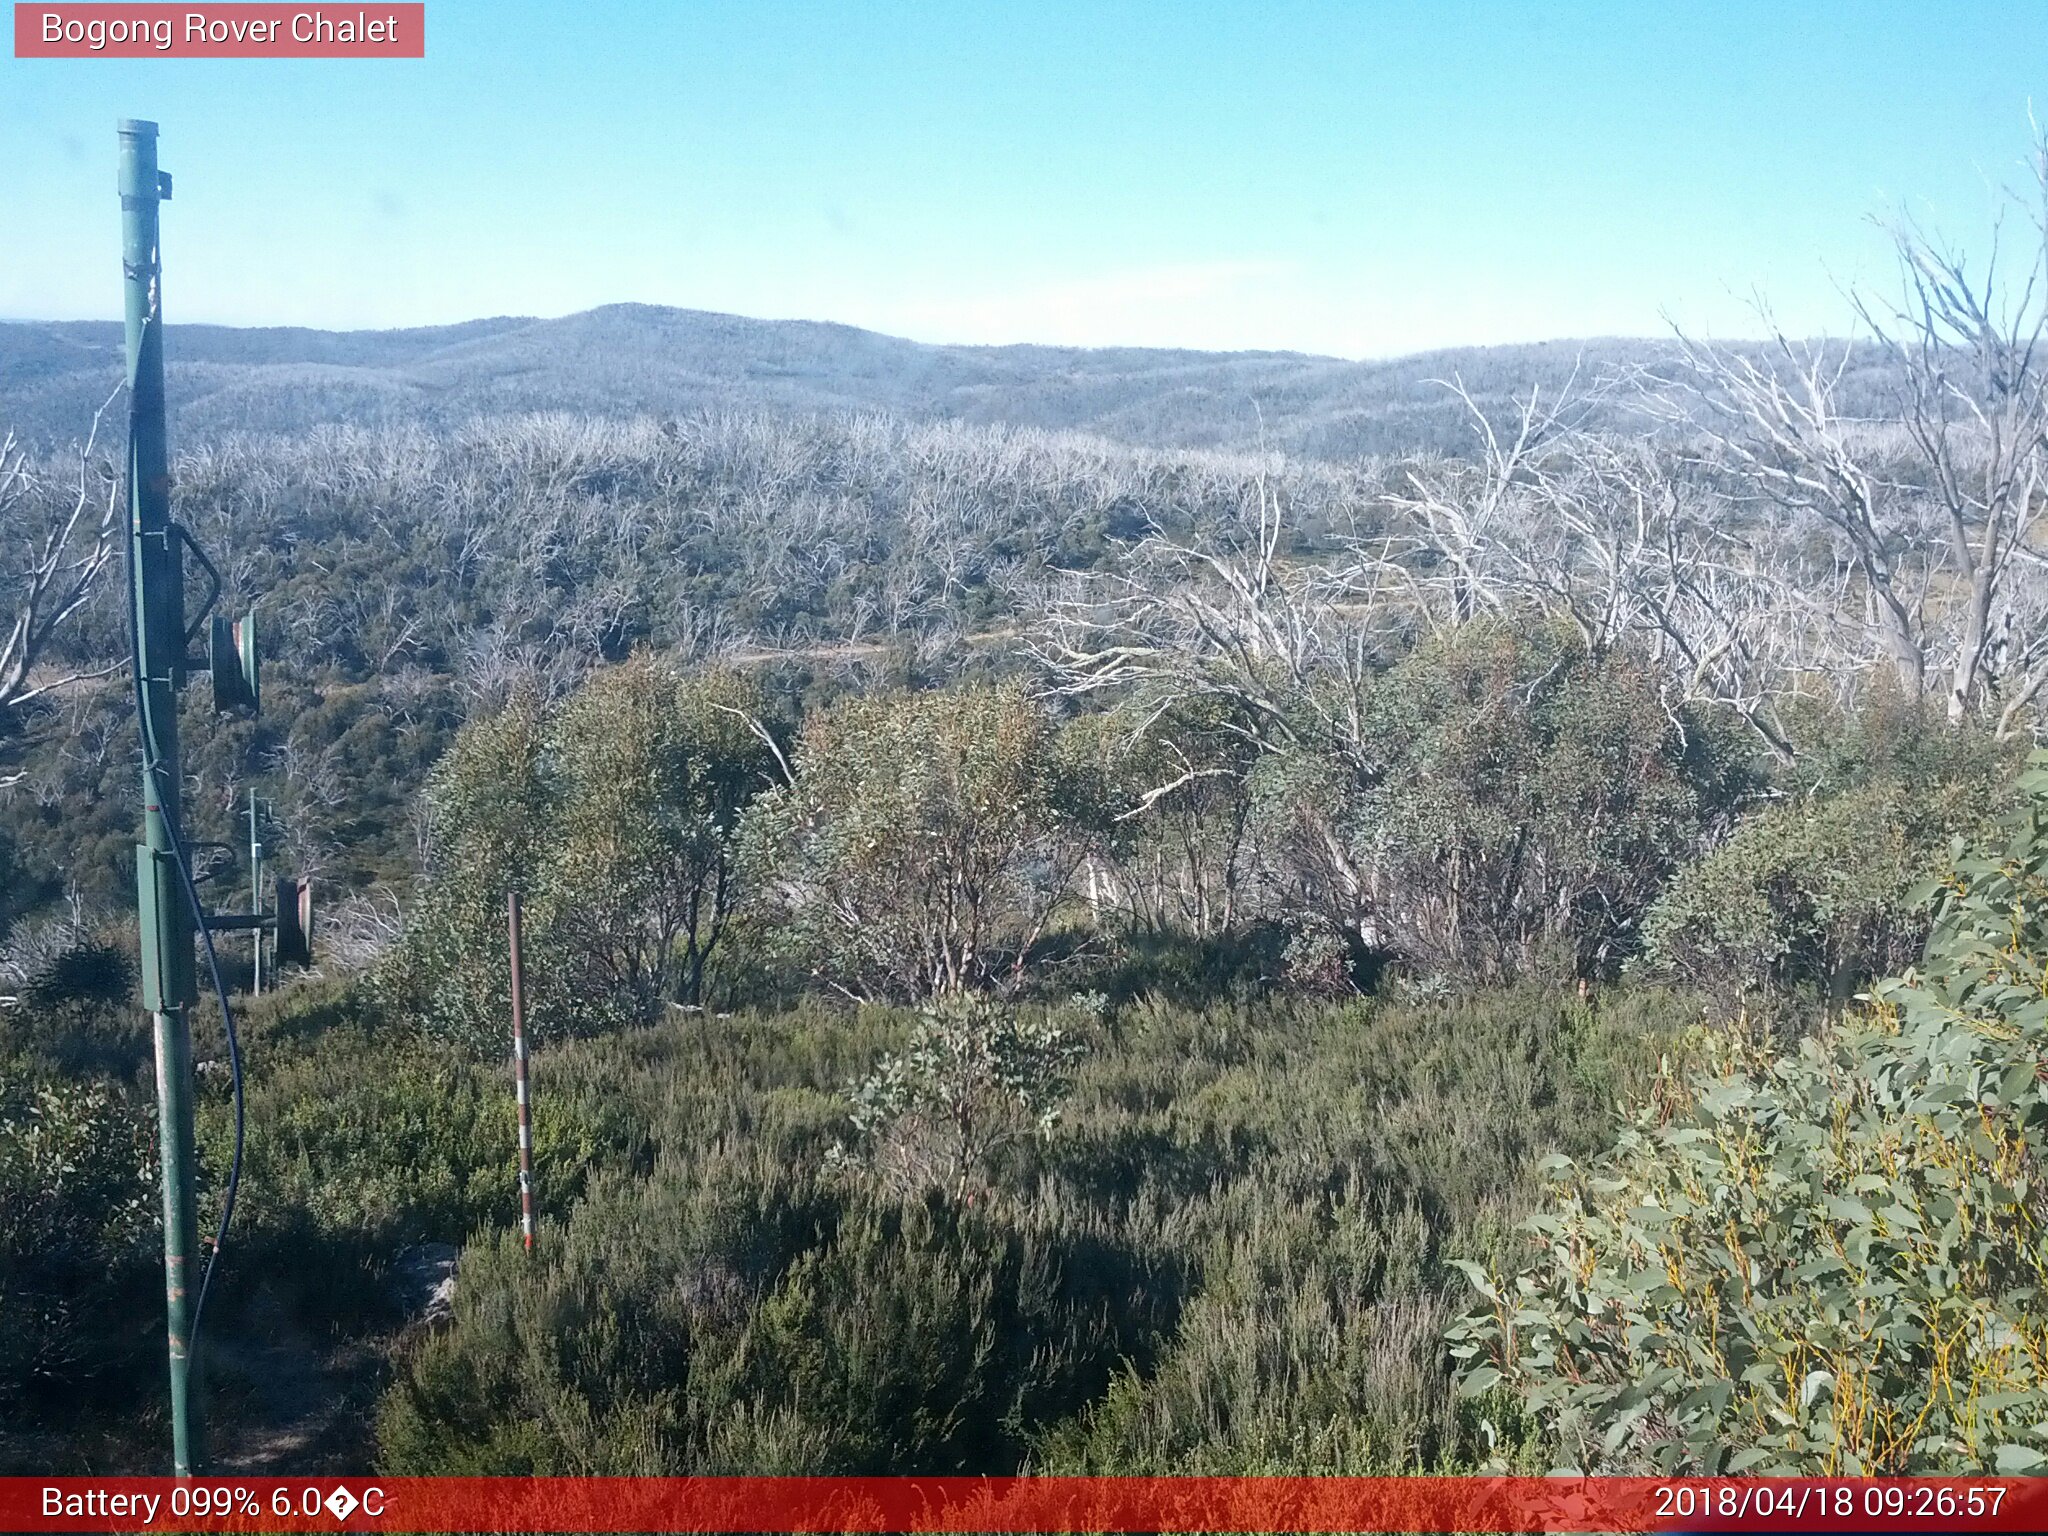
[{"x": 136, "y": 127}]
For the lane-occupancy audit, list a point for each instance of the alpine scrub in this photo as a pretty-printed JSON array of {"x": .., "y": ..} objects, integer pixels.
[{"x": 1825, "y": 1262}]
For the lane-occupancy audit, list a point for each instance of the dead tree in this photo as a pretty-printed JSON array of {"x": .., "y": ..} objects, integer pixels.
[
  {"x": 1277, "y": 655},
  {"x": 1935, "y": 511},
  {"x": 68, "y": 542},
  {"x": 1974, "y": 401},
  {"x": 1606, "y": 534}
]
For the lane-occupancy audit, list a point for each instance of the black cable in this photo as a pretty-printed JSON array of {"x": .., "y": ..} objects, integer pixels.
[{"x": 152, "y": 766}]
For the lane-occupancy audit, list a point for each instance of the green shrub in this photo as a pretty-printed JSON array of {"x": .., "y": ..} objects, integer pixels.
[
  {"x": 615, "y": 813},
  {"x": 365, "y": 1138},
  {"x": 1814, "y": 892},
  {"x": 1511, "y": 806},
  {"x": 975, "y": 1077},
  {"x": 1310, "y": 1165},
  {"x": 1236, "y": 1194},
  {"x": 727, "y": 1317},
  {"x": 67, "y": 997},
  {"x": 1173, "y": 966},
  {"x": 1808, "y": 893},
  {"x": 1822, "y": 1262},
  {"x": 80, "y": 1288},
  {"x": 1313, "y": 1346},
  {"x": 924, "y": 844}
]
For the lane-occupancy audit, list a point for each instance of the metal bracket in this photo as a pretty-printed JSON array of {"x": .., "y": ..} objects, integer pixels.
[
  {"x": 239, "y": 922},
  {"x": 168, "y": 979},
  {"x": 212, "y": 576}
]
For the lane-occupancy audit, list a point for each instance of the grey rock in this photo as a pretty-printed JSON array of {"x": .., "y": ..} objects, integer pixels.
[{"x": 423, "y": 1281}]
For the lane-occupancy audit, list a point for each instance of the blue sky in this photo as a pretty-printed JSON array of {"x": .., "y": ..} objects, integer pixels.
[{"x": 1361, "y": 179}]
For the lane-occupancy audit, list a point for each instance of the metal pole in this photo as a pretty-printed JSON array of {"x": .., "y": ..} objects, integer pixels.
[
  {"x": 519, "y": 1088},
  {"x": 157, "y": 593},
  {"x": 255, "y": 902}
]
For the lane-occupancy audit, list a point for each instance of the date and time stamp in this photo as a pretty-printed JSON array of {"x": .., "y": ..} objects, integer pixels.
[{"x": 1947, "y": 1506}]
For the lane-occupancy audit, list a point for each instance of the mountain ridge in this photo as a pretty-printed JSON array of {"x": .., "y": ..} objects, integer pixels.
[{"x": 631, "y": 359}]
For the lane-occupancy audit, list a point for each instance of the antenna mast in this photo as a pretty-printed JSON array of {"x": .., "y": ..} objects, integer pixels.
[
  {"x": 168, "y": 906},
  {"x": 156, "y": 581}
]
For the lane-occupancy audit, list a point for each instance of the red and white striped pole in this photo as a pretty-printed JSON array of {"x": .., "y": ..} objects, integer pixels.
[{"x": 519, "y": 1087}]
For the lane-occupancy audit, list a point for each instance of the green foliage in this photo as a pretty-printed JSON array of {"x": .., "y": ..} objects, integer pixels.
[
  {"x": 1822, "y": 1262},
  {"x": 1175, "y": 966},
  {"x": 975, "y": 1077},
  {"x": 1816, "y": 891},
  {"x": 1510, "y": 805},
  {"x": 1229, "y": 1198},
  {"x": 569, "y": 1361},
  {"x": 1177, "y": 854},
  {"x": 1225, "y": 1250},
  {"x": 92, "y": 971},
  {"x": 1316, "y": 1162},
  {"x": 68, "y": 986},
  {"x": 1315, "y": 1344},
  {"x": 615, "y": 814},
  {"x": 338, "y": 761},
  {"x": 1812, "y": 892},
  {"x": 723, "y": 1317},
  {"x": 77, "y": 1270},
  {"x": 925, "y": 841},
  {"x": 81, "y": 1283},
  {"x": 13, "y": 883},
  {"x": 636, "y": 878},
  {"x": 369, "y": 1137},
  {"x": 485, "y": 810}
]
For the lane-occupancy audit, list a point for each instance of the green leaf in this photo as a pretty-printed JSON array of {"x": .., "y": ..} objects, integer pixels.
[
  {"x": 1480, "y": 1381},
  {"x": 1481, "y": 1282},
  {"x": 2019, "y": 1460}
]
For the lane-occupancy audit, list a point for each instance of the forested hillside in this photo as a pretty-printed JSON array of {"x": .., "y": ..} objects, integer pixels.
[{"x": 633, "y": 359}]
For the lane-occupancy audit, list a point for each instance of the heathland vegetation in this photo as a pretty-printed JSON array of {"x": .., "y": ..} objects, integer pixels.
[{"x": 1052, "y": 953}]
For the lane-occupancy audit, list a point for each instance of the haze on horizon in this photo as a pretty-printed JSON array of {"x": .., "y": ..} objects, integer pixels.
[{"x": 1338, "y": 180}]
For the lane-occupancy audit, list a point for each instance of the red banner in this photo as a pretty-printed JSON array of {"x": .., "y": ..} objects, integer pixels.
[
  {"x": 1030, "y": 1504},
  {"x": 238, "y": 31}
]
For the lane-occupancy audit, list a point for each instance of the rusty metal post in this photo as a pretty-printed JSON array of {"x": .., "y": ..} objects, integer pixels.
[{"x": 519, "y": 1084}]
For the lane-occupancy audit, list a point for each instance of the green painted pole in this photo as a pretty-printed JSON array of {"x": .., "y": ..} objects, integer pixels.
[{"x": 157, "y": 591}]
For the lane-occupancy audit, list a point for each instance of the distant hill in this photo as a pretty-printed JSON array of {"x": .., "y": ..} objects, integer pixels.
[{"x": 634, "y": 358}]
